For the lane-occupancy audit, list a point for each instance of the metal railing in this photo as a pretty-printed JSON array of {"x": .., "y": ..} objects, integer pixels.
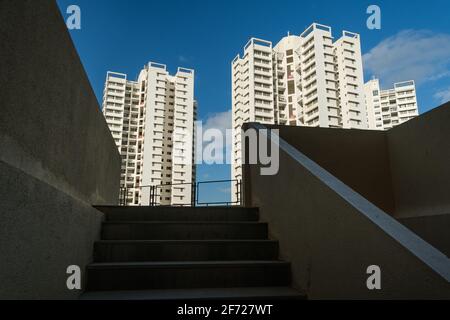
[{"x": 155, "y": 196}]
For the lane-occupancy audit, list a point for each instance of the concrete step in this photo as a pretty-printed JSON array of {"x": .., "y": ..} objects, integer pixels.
[
  {"x": 185, "y": 275},
  {"x": 183, "y": 230},
  {"x": 251, "y": 293},
  {"x": 179, "y": 213},
  {"x": 185, "y": 250}
]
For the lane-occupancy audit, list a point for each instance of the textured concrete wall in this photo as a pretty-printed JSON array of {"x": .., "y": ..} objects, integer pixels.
[
  {"x": 358, "y": 158},
  {"x": 50, "y": 123},
  {"x": 420, "y": 164},
  {"x": 57, "y": 156},
  {"x": 42, "y": 232},
  {"x": 331, "y": 243},
  {"x": 434, "y": 229},
  {"x": 403, "y": 171}
]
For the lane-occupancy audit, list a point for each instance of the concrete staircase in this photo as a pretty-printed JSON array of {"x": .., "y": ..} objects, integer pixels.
[{"x": 186, "y": 253}]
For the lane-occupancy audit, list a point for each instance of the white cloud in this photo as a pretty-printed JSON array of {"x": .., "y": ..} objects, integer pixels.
[
  {"x": 220, "y": 121},
  {"x": 418, "y": 55},
  {"x": 442, "y": 96}
]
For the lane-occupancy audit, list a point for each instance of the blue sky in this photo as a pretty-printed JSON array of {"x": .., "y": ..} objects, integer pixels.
[{"x": 122, "y": 36}]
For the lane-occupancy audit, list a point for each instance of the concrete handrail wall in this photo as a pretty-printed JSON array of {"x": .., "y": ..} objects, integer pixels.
[
  {"x": 332, "y": 234},
  {"x": 419, "y": 152},
  {"x": 51, "y": 125},
  {"x": 359, "y": 158},
  {"x": 57, "y": 155}
]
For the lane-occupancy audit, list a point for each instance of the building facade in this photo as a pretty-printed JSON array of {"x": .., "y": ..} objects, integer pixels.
[
  {"x": 152, "y": 122},
  {"x": 389, "y": 108},
  {"x": 307, "y": 80}
]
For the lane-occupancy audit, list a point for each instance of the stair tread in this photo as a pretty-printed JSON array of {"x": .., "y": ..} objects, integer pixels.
[
  {"x": 189, "y": 294},
  {"x": 212, "y": 241},
  {"x": 239, "y": 263},
  {"x": 184, "y": 222},
  {"x": 180, "y": 213},
  {"x": 185, "y": 250},
  {"x": 149, "y": 230},
  {"x": 166, "y": 253}
]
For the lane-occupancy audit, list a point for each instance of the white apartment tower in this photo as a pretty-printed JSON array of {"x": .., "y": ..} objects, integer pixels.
[
  {"x": 389, "y": 108},
  {"x": 152, "y": 122},
  {"x": 307, "y": 80}
]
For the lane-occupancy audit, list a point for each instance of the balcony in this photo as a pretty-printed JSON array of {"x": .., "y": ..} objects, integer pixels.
[{"x": 281, "y": 101}]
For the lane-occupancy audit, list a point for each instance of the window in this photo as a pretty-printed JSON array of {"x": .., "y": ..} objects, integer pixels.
[
  {"x": 291, "y": 87},
  {"x": 290, "y": 72}
]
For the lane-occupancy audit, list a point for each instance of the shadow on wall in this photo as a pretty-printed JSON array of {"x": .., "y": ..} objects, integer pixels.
[
  {"x": 403, "y": 171},
  {"x": 52, "y": 127},
  {"x": 325, "y": 207},
  {"x": 57, "y": 155}
]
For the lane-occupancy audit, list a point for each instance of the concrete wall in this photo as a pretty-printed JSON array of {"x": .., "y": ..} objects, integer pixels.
[
  {"x": 51, "y": 126},
  {"x": 57, "y": 156},
  {"x": 434, "y": 229},
  {"x": 403, "y": 171},
  {"x": 42, "y": 232},
  {"x": 420, "y": 164},
  {"x": 332, "y": 235},
  {"x": 359, "y": 158}
]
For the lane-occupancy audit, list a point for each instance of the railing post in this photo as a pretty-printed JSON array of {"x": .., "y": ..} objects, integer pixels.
[
  {"x": 237, "y": 192},
  {"x": 241, "y": 194},
  {"x": 152, "y": 196},
  {"x": 193, "y": 194},
  {"x": 150, "y": 201}
]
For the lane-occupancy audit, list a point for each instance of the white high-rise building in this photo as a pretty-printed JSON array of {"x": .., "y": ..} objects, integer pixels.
[
  {"x": 307, "y": 80},
  {"x": 152, "y": 122},
  {"x": 389, "y": 108}
]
